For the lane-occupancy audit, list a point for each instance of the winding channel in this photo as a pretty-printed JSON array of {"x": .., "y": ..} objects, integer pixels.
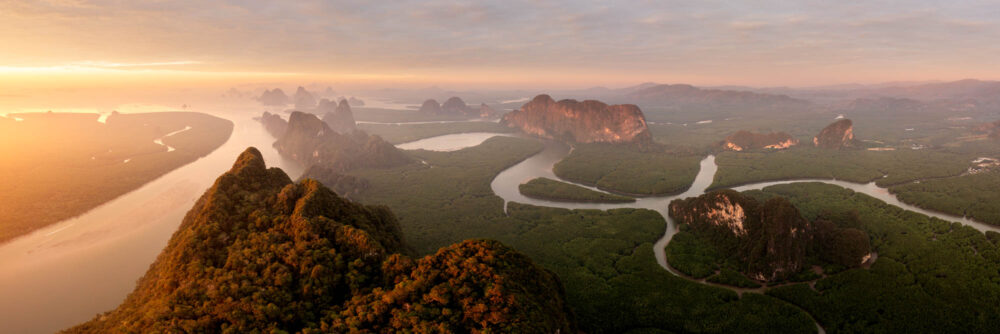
[{"x": 506, "y": 185}]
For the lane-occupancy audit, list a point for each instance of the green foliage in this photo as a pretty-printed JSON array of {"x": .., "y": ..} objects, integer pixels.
[
  {"x": 975, "y": 195},
  {"x": 733, "y": 278},
  {"x": 613, "y": 283},
  {"x": 604, "y": 259},
  {"x": 401, "y": 133},
  {"x": 930, "y": 276},
  {"x": 629, "y": 170},
  {"x": 449, "y": 199},
  {"x": 58, "y": 165},
  {"x": 549, "y": 189},
  {"x": 692, "y": 255},
  {"x": 861, "y": 166},
  {"x": 260, "y": 254}
]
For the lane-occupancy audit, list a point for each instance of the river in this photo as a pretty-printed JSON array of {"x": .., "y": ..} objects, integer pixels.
[{"x": 68, "y": 272}]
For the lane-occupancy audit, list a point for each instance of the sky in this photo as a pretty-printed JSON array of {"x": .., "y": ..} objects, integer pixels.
[{"x": 509, "y": 44}]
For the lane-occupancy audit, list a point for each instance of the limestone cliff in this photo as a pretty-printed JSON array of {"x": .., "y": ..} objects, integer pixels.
[
  {"x": 274, "y": 124},
  {"x": 309, "y": 141},
  {"x": 837, "y": 135},
  {"x": 260, "y": 254},
  {"x": 339, "y": 117},
  {"x": 749, "y": 141},
  {"x": 581, "y": 122}
]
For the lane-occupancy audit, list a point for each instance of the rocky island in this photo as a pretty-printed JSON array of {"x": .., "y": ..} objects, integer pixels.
[
  {"x": 770, "y": 241},
  {"x": 750, "y": 141},
  {"x": 310, "y": 141},
  {"x": 260, "y": 253},
  {"x": 837, "y": 135},
  {"x": 339, "y": 117},
  {"x": 589, "y": 121}
]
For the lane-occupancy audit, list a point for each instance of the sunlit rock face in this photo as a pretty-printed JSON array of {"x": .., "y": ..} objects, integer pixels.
[
  {"x": 430, "y": 106},
  {"x": 749, "y": 141},
  {"x": 310, "y": 141},
  {"x": 837, "y": 135},
  {"x": 338, "y": 116},
  {"x": 769, "y": 239},
  {"x": 581, "y": 122},
  {"x": 274, "y": 124},
  {"x": 486, "y": 111}
]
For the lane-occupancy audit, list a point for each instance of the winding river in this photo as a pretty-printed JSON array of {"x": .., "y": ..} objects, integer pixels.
[{"x": 68, "y": 272}]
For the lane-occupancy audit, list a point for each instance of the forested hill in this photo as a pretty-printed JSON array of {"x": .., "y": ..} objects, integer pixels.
[{"x": 258, "y": 253}]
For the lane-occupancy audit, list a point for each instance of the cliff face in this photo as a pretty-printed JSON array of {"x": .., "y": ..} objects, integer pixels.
[
  {"x": 274, "y": 124},
  {"x": 339, "y": 117},
  {"x": 258, "y": 253},
  {"x": 769, "y": 239},
  {"x": 582, "y": 122},
  {"x": 311, "y": 141},
  {"x": 749, "y": 141},
  {"x": 837, "y": 135}
]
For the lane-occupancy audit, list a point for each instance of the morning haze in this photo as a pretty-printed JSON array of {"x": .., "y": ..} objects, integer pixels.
[{"x": 499, "y": 166}]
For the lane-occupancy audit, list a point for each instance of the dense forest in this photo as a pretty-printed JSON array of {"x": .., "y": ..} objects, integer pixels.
[
  {"x": 974, "y": 196},
  {"x": 258, "y": 253},
  {"x": 549, "y": 189},
  {"x": 630, "y": 170},
  {"x": 58, "y": 165}
]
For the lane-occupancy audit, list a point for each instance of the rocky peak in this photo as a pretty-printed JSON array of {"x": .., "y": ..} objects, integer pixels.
[
  {"x": 748, "y": 141},
  {"x": 837, "y": 135},
  {"x": 770, "y": 239},
  {"x": 258, "y": 253},
  {"x": 455, "y": 105},
  {"x": 589, "y": 121},
  {"x": 274, "y": 124},
  {"x": 486, "y": 111},
  {"x": 275, "y": 97},
  {"x": 430, "y": 106},
  {"x": 309, "y": 141},
  {"x": 304, "y": 99},
  {"x": 338, "y": 116}
]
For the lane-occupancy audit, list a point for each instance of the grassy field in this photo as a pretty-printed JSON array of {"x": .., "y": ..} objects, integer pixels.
[
  {"x": 549, "y": 189},
  {"x": 58, "y": 165}
]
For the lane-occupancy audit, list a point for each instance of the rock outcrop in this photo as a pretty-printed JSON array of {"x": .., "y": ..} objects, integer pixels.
[
  {"x": 581, "y": 122},
  {"x": 486, "y": 111},
  {"x": 770, "y": 240},
  {"x": 339, "y": 117},
  {"x": 431, "y": 106},
  {"x": 274, "y": 124},
  {"x": 837, "y": 135},
  {"x": 275, "y": 97},
  {"x": 309, "y": 141},
  {"x": 749, "y": 141},
  {"x": 258, "y": 253},
  {"x": 455, "y": 106},
  {"x": 304, "y": 99}
]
